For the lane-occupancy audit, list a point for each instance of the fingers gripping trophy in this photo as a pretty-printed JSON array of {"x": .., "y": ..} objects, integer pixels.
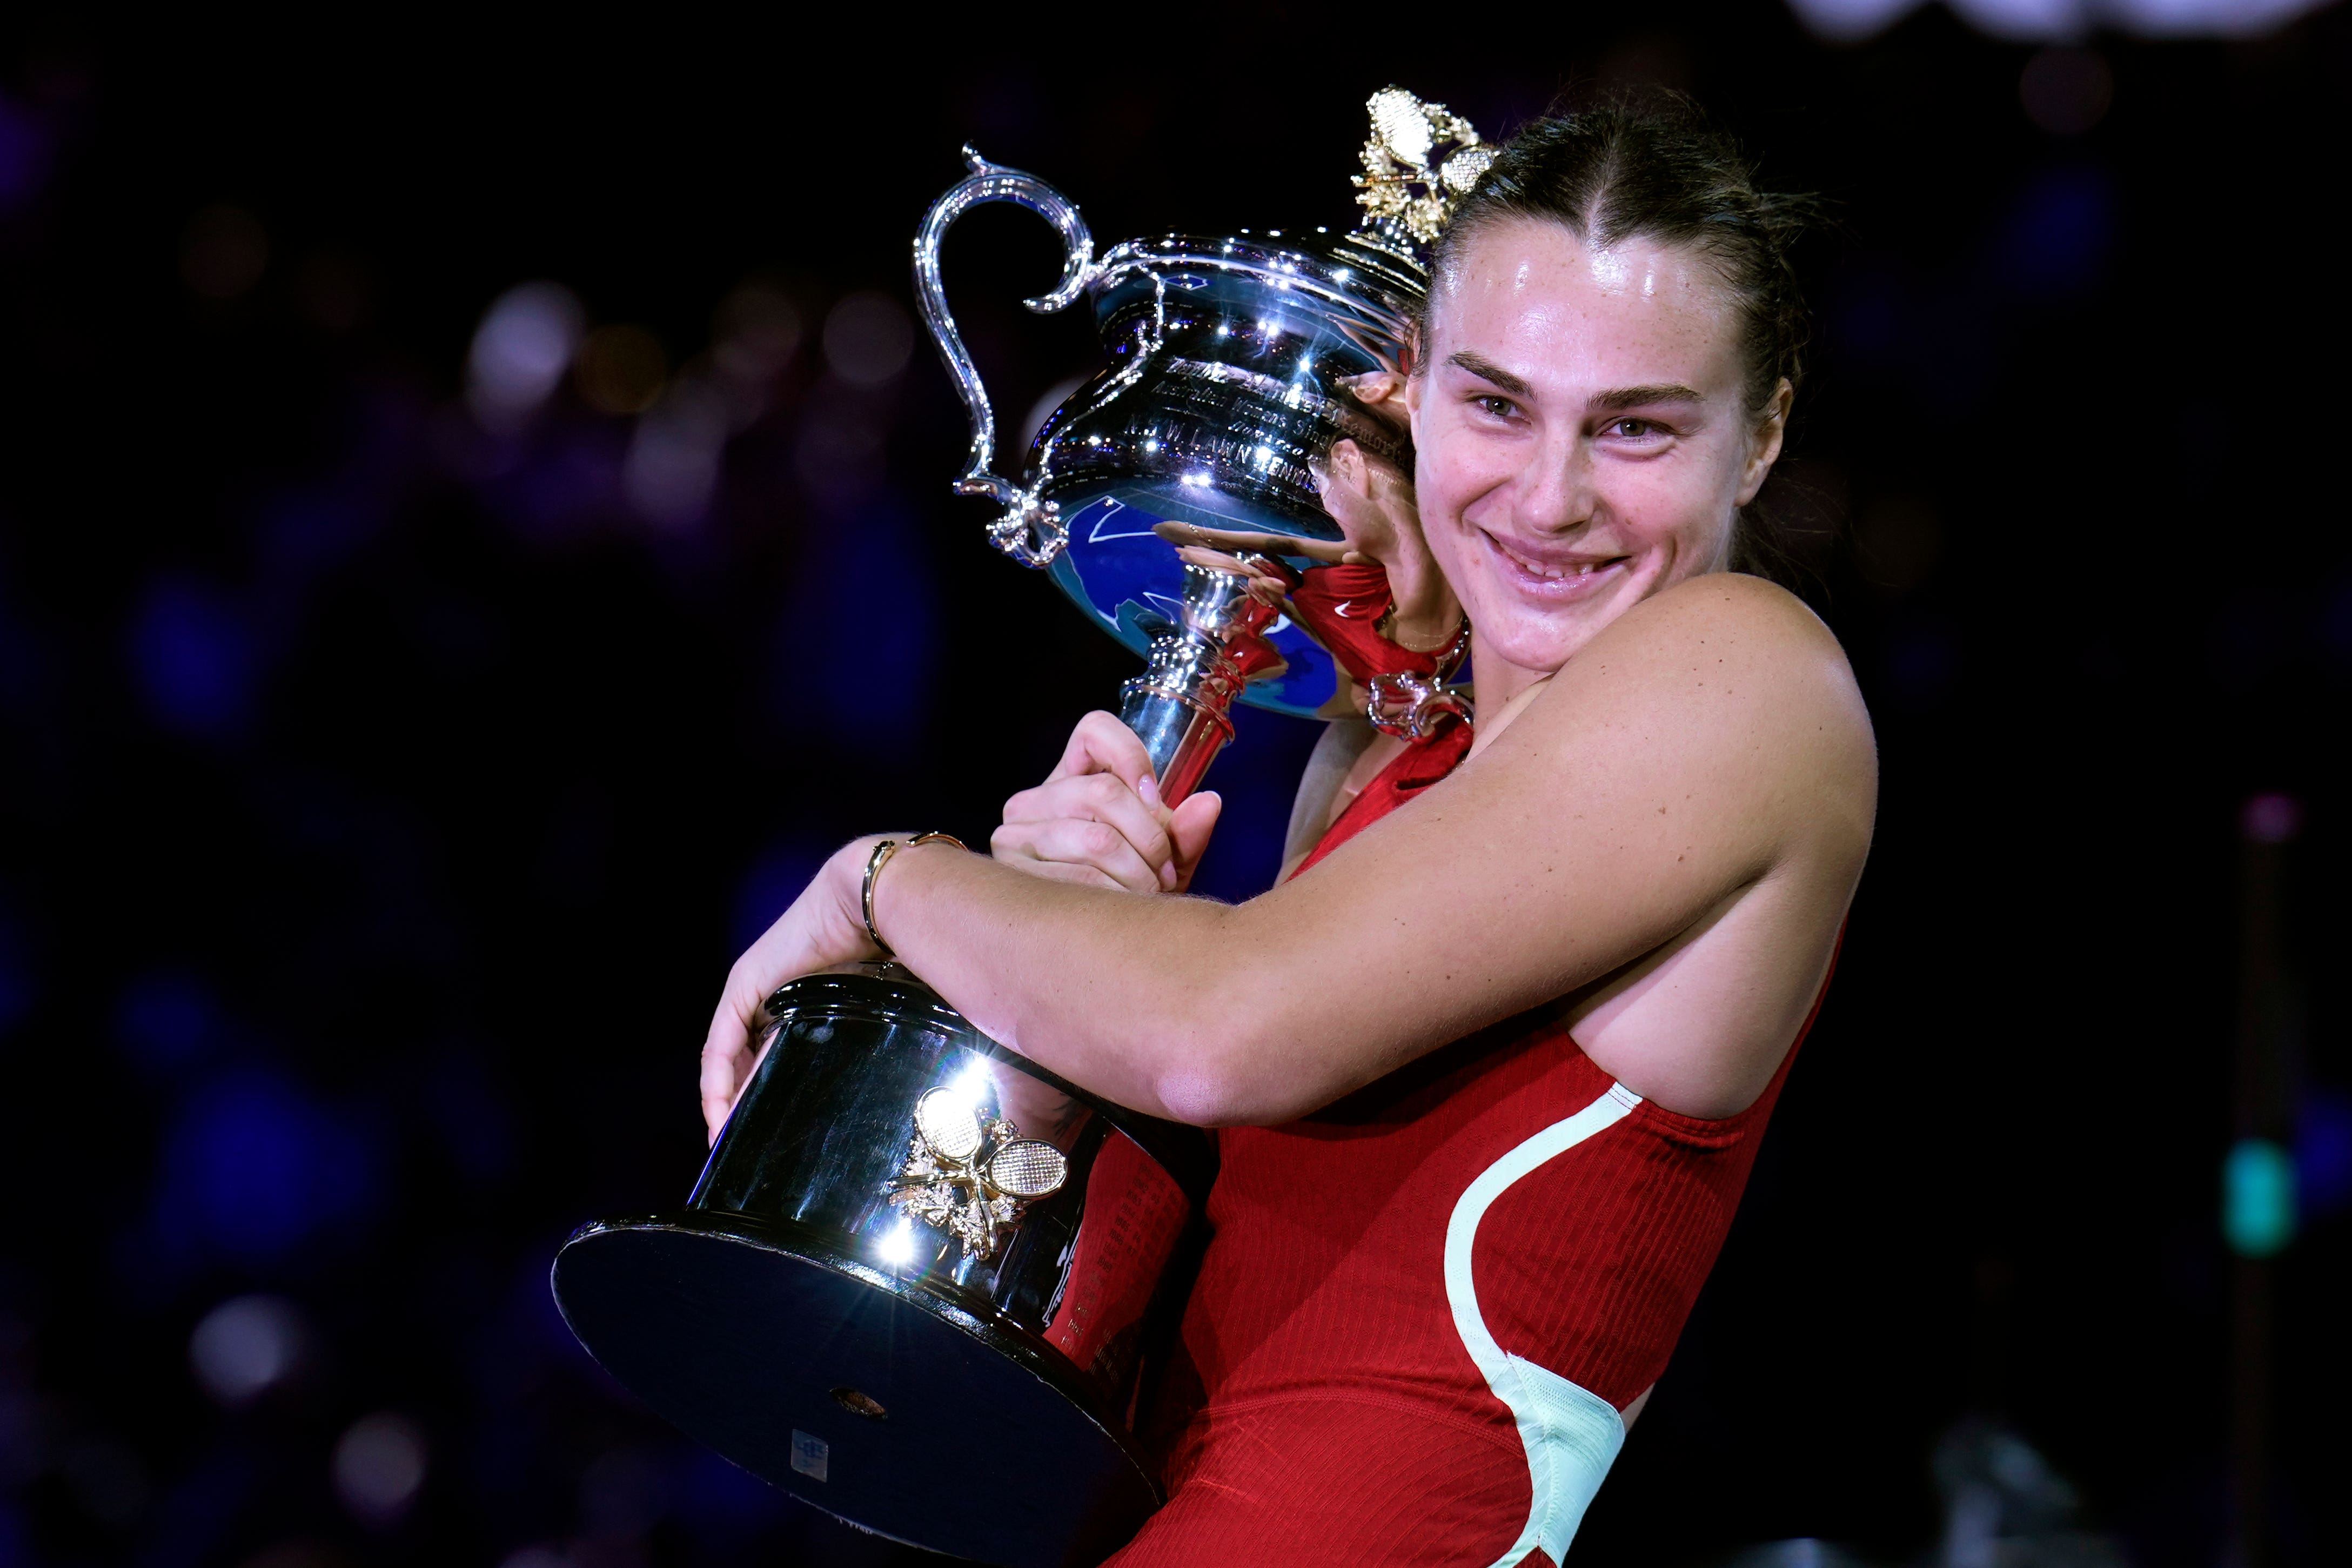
[{"x": 921, "y": 1282}]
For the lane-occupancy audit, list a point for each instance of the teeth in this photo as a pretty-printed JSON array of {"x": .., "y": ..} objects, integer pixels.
[{"x": 1554, "y": 574}]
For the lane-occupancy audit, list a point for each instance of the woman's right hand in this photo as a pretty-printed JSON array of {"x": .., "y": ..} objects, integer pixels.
[{"x": 1098, "y": 818}]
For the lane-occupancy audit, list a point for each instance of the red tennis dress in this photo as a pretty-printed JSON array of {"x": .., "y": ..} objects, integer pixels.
[{"x": 1423, "y": 1307}]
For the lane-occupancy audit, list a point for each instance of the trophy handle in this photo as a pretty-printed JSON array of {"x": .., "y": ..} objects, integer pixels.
[{"x": 1030, "y": 530}]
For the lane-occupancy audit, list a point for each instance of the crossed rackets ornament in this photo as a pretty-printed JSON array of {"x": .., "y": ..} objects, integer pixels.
[{"x": 971, "y": 1176}]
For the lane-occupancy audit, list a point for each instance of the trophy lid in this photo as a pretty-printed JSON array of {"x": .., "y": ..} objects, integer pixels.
[{"x": 1419, "y": 162}]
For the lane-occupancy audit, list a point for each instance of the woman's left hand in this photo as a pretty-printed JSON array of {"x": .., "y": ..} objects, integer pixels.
[
  {"x": 1098, "y": 819},
  {"x": 825, "y": 926}
]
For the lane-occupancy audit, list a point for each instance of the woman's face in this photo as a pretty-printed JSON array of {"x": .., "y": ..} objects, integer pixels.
[{"x": 1582, "y": 438}]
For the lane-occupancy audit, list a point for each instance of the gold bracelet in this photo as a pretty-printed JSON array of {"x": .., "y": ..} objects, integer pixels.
[{"x": 873, "y": 864}]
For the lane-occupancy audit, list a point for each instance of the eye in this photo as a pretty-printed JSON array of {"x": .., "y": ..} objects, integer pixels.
[
  {"x": 1495, "y": 405},
  {"x": 1635, "y": 429}
]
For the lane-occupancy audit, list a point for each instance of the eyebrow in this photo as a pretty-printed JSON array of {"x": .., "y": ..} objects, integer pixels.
[
  {"x": 1640, "y": 398},
  {"x": 1487, "y": 370},
  {"x": 1615, "y": 402}
]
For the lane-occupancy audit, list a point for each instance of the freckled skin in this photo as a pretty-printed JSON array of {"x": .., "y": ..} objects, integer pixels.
[{"x": 1546, "y": 472}]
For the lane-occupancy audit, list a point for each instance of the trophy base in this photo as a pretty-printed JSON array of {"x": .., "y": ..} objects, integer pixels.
[
  {"x": 864, "y": 1394},
  {"x": 834, "y": 1313}
]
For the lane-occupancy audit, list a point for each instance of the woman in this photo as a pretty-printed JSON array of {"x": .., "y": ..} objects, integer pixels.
[{"x": 1490, "y": 1069}]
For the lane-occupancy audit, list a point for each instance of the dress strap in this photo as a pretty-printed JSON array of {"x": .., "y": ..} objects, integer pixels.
[{"x": 1421, "y": 765}]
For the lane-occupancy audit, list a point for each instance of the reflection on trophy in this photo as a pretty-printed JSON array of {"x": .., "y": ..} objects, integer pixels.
[{"x": 923, "y": 1283}]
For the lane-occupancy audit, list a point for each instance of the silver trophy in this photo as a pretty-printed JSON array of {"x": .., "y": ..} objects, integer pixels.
[
  {"x": 923, "y": 1283},
  {"x": 1231, "y": 363}
]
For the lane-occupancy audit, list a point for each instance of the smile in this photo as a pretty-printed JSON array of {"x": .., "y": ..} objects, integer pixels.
[{"x": 1569, "y": 577}]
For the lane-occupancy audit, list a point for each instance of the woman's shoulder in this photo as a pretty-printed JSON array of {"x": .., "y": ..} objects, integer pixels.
[
  {"x": 1726, "y": 635},
  {"x": 1731, "y": 665},
  {"x": 1733, "y": 615}
]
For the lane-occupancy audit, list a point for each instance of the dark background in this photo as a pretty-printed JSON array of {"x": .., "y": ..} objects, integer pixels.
[{"x": 382, "y": 794}]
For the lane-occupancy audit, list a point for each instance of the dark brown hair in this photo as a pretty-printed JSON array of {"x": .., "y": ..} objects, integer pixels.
[{"x": 1653, "y": 165}]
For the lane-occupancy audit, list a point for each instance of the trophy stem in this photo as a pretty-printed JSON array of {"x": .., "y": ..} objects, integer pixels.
[
  {"x": 1182, "y": 705},
  {"x": 1182, "y": 735}
]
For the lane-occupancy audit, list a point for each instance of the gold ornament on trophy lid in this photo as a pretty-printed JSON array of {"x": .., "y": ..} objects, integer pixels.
[{"x": 1419, "y": 161}]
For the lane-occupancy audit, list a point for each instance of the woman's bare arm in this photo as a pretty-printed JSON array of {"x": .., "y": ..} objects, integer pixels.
[{"x": 1707, "y": 744}]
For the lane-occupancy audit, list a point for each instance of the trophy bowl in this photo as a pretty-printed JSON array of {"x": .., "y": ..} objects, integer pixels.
[
  {"x": 1231, "y": 361},
  {"x": 1230, "y": 378}
]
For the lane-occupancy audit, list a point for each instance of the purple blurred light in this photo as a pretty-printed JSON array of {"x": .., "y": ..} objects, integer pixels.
[
  {"x": 248, "y": 1346},
  {"x": 838, "y": 454},
  {"x": 254, "y": 1166},
  {"x": 303, "y": 533},
  {"x": 2061, "y": 21},
  {"x": 672, "y": 466},
  {"x": 859, "y": 659},
  {"x": 2322, "y": 1151},
  {"x": 379, "y": 1467},
  {"x": 569, "y": 485},
  {"x": 25, "y": 151},
  {"x": 2059, "y": 235},
  {"x": 541, "y": 1556},
  {"x": 2271, "y": 818},
  {"x": 166, "y": 1019},
  {"x": 868, "y": 338},
  {"x": 193, "y": 656},
  {"x": 520, "y": 353}
]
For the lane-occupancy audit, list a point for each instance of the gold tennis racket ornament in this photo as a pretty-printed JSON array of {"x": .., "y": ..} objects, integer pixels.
[{"x": 971, "y": 1176}]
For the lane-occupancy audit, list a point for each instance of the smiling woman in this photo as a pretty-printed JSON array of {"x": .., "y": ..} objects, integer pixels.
[
  {"x": 1576, "y": 363},
  {"x": 1490, "y": 1066}
]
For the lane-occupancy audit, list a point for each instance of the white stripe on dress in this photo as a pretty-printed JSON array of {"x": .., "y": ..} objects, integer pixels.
[{"x": 1572, "y": 1435}]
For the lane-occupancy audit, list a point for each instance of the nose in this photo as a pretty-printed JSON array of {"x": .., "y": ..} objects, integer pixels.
[{"x": 1555, "y": 492}]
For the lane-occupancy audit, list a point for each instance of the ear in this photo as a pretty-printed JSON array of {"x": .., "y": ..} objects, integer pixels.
[
  {"x": 1347, "y": 466},
  {"x": 1764, "y": 441}
]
